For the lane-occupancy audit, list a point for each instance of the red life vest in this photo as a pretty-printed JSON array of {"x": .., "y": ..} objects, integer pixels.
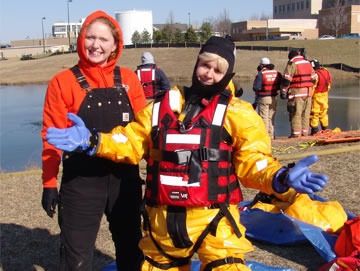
[
  {"x": 191, "y": 166},
  {"x": 147, "y": 78},
  {"x": 270, "y": 83},
  {"x": 303, "y": 77},
  {"x": 323, "y": 81}
]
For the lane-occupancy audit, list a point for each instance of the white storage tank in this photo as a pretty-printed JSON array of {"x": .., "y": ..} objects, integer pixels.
[{"x": 134, "y": 20}]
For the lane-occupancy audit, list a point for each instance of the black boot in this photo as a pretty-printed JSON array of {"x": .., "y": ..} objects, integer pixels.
[
  {"x": 314, "y": 130},
  {"x": 323, "y": 127}
]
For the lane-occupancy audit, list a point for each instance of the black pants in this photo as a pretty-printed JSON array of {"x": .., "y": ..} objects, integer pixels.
[{"x": 88, "y": 190}]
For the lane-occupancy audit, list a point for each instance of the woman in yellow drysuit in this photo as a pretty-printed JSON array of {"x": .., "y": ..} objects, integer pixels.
[{"x": 198, "y": 141}]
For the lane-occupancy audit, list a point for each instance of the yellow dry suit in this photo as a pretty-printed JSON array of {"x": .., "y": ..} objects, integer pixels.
[{"x": 221, "y": 247}]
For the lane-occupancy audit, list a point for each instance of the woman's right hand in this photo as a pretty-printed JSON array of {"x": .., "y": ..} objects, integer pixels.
[{"x": 70, "y": 139}]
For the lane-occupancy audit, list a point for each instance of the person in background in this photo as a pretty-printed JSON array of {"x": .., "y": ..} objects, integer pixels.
[
  {"x": 266, "y": 86},
  {"x": 104, "y": 96},
  {"x": 152, "y": 78},
  {"x": 199, "y": 141},
  {"x": 296, "y": 86},
  {"x": 320, "y": 99}
]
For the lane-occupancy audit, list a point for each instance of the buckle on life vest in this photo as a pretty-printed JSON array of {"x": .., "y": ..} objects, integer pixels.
[
  {"x": 184, "y": 129},
  {"x": 183, "y": 157},
  {"x": 204, "y": 155}
]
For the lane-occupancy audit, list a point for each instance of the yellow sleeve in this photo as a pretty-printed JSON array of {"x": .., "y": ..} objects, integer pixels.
[
  {"x": 252, "y": 158},
  {"x": 130, "y": 143}
]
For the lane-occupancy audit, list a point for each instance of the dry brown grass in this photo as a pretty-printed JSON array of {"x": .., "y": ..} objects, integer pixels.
[
  {"x": 30, "y": 239},
  {"x": 178, "y": 63}
]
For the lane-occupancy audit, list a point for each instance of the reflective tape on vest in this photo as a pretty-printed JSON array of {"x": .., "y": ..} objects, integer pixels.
[{"x": 176, "y": 181}]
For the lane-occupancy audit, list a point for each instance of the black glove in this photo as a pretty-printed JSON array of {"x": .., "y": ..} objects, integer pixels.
[
  {"x": 50, "y": 198},
  {"x": 239, "y": 92},
  {"x": 283, "y": 95}
]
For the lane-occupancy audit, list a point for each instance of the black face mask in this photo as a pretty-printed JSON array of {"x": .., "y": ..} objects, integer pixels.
[{"x": 200, "y": 90}]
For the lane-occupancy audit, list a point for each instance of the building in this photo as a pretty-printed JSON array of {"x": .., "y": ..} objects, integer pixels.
[
  {"x": 275, "y": 29},
  {"x": 339, "y": 21},
  {"x": 60, "y": 29},
  {"x": 296, "y": 9},
  {"x": 134, "y": 20},
  {"x": 302, "y": 19}
]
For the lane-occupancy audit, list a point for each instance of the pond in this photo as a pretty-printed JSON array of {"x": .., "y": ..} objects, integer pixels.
[{"x": 21, "y": 119}]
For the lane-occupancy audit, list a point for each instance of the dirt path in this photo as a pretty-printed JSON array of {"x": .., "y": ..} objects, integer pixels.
[{"x": 30, "y": 239}]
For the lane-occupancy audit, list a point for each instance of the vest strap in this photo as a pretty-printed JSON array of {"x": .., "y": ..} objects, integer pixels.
[{"x": 227, "y": 260}]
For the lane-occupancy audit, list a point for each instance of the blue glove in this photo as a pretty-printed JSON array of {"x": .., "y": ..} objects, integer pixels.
[
  {"x": 70, "y": 139},
  {"x": 303, "y": 180}
]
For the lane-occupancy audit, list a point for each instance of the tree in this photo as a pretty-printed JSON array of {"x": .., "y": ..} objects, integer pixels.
[
  {"x": 190, "y": 35},
  {"x": 157, "y": 36},
  {"x": 179, "y": 36},
  {"x": 167, "y": 33},
  {"x": 223, "y": 24},
  {"x": 206, "y": 31},
  {"x": 336, "y": 20},
  {"x": 135, "y": 38},
  {"x": 145, "y": 37}
]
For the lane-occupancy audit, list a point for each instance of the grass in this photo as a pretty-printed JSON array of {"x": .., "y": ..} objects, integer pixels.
[{"x": 178, "y": 63}]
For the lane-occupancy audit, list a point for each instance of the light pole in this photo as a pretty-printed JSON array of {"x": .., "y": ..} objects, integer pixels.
[
  {"x": 42, "y": 26},
  {"x": 68, "y": 26},
  {"x": 189, "y": 18}
]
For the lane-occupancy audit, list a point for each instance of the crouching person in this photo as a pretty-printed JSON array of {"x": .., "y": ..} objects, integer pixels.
[{"x": 198, "y": 141}]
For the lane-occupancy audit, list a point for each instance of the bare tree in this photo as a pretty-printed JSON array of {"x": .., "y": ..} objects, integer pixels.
[
  {"x": 223, "y": 24},
  {"x": 336, "y": 20},
  {"x": 169, "y": 29}
]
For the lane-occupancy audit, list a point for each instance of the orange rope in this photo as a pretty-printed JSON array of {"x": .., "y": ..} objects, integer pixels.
[{"x": 324, "y": 134}]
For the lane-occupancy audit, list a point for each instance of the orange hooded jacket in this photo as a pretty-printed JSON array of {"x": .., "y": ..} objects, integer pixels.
[{"x": 64, "y": 95}]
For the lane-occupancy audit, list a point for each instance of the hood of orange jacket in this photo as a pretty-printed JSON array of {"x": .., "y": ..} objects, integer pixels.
[{"x": 98, "y": 76}]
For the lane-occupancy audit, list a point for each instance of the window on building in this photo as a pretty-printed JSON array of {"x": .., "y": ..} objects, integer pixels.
[
  {"x": 280, "y": 9},
  {"x": 288, "y": 8},
  {"x": 297, "y": 5},
  {"x": 293, "y": 6},
  {"x": 284, "y": 8},
  {"x": 307, "y": 4},
  {"x": 302, "y": 5}
]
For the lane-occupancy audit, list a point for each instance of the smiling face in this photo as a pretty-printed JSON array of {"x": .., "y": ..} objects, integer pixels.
[
  {"x": 208, "y": 73},
  {"x": 99, "y": 43}
]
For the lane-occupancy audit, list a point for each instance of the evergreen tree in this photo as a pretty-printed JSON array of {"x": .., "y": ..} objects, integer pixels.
[
  {"x": 157, "y": 36},
  {"x": 135, "y": 38},
  {"x": 145, "y": 37},
  {"x": 206, "y": 31},
  {"x": 190, "y": 35},
  {"x": 179, "y": 36}
]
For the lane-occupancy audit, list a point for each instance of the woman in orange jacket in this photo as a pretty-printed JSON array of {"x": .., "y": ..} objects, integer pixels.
[{"x": 105, "y": 96}]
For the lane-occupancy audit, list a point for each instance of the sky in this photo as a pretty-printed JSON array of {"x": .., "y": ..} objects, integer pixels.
[{"x": 22, "y": 19}]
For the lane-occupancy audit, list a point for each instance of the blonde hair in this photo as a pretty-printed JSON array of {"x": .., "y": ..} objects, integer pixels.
[{"x": 222, "y": 63}]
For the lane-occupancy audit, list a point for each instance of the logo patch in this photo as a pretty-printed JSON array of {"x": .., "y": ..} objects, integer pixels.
[
  {"x": 178, "y": 195},
  {"x": 126, "y": 116}
]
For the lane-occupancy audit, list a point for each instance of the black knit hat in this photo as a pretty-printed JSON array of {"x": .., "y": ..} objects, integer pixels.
[
  {"x": 223, "y": 47},
  {"x": 292, "y": 54}
]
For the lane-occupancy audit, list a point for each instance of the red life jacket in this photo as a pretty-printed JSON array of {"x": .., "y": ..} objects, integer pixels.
[
  {"x": 324, "y": 80},
  {"x": 147, "y": 78},
  {"x": 270, "y": 83},
  {"x": 191, "y": 166},
  {"x": 303, "y": 77}
]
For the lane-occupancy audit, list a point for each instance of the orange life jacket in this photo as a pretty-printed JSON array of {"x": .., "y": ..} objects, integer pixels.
[
  {"x": 192, "y": 165},
  {"x": 270, "y": 83},
  {"x": 323, "y": 81},
  {"x": 147, "y": 78},
  {"x": 303, "y": 77}
]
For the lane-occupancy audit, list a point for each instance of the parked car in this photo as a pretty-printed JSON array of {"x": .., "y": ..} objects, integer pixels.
[
  {"x": 326, "y": 37},
  {"x": 352, "y": 35}
]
